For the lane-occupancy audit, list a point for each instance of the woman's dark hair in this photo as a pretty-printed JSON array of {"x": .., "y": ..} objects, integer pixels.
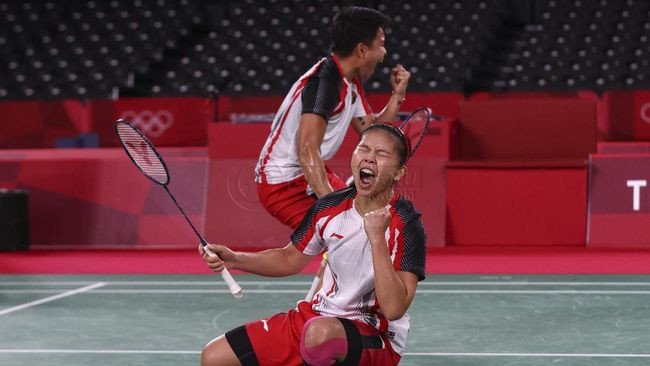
[
  {"x": 353, "y": 25},
  {"x": 398, "y": 137}
]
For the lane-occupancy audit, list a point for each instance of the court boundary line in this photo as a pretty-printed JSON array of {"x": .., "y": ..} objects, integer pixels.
[
  {"x": 419, "y": 291},
  {"x": 51, "y": 298},
  {"x": 529, "y": 354},
  {"x": 300, "y": 291},
  {"x": 307, "y": 283},
  {"x": 97, "y": 351},
  {"x": 411, "y": 354}
]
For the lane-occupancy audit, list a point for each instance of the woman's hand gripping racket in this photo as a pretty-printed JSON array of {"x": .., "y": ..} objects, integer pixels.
[{"x": 145, "y": 156}]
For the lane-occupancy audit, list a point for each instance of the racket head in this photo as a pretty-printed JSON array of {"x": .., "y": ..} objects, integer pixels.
[
  {"x": 142, "y": 152},
  {"x": 414, "y": 127}
]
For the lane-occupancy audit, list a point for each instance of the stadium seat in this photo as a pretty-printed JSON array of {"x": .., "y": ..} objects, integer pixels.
[{"x": 449, "y": 45}]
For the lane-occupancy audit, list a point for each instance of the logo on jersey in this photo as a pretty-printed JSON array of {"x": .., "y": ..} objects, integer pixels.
[{"x": 337, "y": 236}]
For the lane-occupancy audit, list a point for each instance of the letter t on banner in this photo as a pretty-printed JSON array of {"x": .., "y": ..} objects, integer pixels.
[{"x": 636, "y": 192}]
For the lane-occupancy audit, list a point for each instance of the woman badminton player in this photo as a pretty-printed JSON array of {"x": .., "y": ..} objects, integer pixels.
[{"x": 375, "y": 244}]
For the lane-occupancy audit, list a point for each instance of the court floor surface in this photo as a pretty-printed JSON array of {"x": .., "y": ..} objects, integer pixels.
[{"x": 455, "y": 319}]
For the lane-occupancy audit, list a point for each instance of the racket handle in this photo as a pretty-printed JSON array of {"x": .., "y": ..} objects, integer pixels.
[
  {"x": 233, "y": 286},
  {"x": 317, "y": 280}
]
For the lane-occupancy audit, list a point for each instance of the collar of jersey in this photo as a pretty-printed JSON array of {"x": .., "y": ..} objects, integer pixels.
[
  {"x": 391, "y": 203},
  {"x": 338, "y": 67}
]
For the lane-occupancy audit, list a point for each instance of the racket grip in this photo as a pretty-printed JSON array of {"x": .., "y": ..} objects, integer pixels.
[{"x": 233, "y": 286}]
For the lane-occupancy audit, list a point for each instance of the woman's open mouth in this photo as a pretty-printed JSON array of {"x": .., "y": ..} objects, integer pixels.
[{"x": 367, "y": 177}]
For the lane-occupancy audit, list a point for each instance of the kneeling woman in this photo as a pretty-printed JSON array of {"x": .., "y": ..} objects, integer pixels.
[{"x": 375, "y": 244}]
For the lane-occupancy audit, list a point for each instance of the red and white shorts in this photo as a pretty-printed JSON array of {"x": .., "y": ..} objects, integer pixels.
[
  {"x": 275, "y": 341},
  {"x": 289, "y": 201}
]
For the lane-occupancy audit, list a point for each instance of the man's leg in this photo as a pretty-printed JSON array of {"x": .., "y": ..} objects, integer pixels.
[{"x": 287, "y": 202}]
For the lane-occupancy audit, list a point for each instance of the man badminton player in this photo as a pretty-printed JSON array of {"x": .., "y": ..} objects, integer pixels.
[
  {"x": 314, "y": 117},
  {"x": 376, "y": 251}
]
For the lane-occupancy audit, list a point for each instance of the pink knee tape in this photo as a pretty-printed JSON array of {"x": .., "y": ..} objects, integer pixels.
[{"x": 324, "y": 354}]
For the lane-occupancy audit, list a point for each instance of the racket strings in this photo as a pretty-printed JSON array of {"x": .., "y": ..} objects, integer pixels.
[
  {"x": 143, "y": 154},
  {"x": 414, "y": 128}
]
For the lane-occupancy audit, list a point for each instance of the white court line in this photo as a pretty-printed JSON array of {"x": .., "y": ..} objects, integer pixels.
[
  {"x": 100, "y": 351},
  {"x": 206, "y": 291},
  {"x": 419, "y": 291},
  {"x": 414, "y": 354},
  {"x": 525, "y": 283},
  {"x": 496, "y": 354},
  {"x": 154, "y": 283},
  {"x": 300, "y": 291},
  {"x": 307, "y": 283},
  {"x": 51, "y": 298},
  {"x": 536, "y": 292}
]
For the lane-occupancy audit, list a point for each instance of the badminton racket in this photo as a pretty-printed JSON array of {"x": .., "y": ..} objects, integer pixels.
[
  {"x": 414, "y": 127},
  {"x": 145, "y": 156}
]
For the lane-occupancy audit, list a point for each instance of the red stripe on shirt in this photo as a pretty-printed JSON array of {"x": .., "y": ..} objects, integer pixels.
[
  {"x": 331, "y": 212},
  {"x": 399, "y": 254},
  {"x": 322, "y": 229},
  {"x": 383, "y": 322},
  {"x": 344, "y": 89},
  {"x": 399, "y": 240},
  {"x": 362, "y": 95},
  {"x": 279, "y": 130},
  {"x": 341, "y": 105},
  {"x": 329, "y": 292}
]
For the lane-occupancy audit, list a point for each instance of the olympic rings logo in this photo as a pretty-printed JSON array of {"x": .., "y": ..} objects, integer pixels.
[
  {"x": 645, "y": 112},
  {"x": 152, "y": 124}
]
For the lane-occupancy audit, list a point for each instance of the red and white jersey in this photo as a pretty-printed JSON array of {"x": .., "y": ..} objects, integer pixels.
[
  {"x": 334, "y": 225},
  {"x": 323, "y": 90}
]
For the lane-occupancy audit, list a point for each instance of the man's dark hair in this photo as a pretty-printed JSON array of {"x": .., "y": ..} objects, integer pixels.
[
  {"x": 353, "y": 25},
  {"x": 398, "y": 137}
]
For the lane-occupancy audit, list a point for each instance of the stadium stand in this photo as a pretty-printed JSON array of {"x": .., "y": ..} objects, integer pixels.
[
  {"x": 571, "y": 45},
  {"x": 96, "y": 49}
]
